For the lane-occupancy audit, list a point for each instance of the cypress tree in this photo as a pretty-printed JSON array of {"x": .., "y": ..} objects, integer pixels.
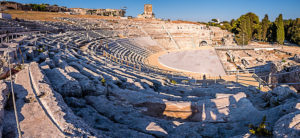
[
  {"x": 280, "y": 29},
  {"x": 257, "y": 32},
  {"x": 295, "y": 31},
  {"x": 271, "y": 34},
  {"x": 265, "y": 23},
  {"x": 255, "y": 28},
  {"x": 248, "y": 26},
  {"x": 242, "y": 36}
]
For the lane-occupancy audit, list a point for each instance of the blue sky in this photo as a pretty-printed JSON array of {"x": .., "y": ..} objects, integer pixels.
[{"x": 193, "y": 10}]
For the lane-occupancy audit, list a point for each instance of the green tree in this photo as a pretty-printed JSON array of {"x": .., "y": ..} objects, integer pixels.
[
  {"x": 271, "y": 33},
  {"x": 257, "y": 32},
  {"x": 226, "y": 25},
  {"x": 248, "y": 25},
  {"x": 255, "y": 28},
  {"x": 294, "y": 31},
  {"x": 232, "y": 22},
  {"x": 214, "y": 20},
  {"x": 265, "y": 23},
  {"x": 280, "y": 29},
  {"x": 242, "y": 27}
]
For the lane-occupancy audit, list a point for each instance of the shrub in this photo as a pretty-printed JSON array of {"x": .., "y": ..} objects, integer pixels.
[
  {"x": 173, "y": 82},
  {"x": 103, "y": 81},
  {"x": 261, "y": 129},
  {"x": 19, "y": 67},
  {"x": 259, "y": 88}
]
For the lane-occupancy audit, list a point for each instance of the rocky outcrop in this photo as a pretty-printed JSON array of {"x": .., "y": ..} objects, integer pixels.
[
  {"x": 3, "y": 98},
  {"x": 4, "y": 72},
  {"x": 54, "y": 104},
  {"x": 297, "y": 58},
  {"x": 86, "y": 84},
  {"x": 244, "y": 62},
  {"x": 279, "y": 95},
  {"x": 285, "y": 67},
  {"x": 63, "y": 83},
  {"x": 288, "y": 126},
  {"x": 230, "y": 55}
]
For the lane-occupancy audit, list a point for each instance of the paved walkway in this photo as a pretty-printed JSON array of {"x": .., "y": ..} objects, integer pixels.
[{"x": 33, "y": 120}]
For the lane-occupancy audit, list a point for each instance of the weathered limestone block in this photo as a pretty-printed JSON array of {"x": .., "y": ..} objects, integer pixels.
[
  {"x": 288, "y": 126},
  {"x": 87, "y": 70},
  {"x": 283, "y": 67},
  {"x": 59, "y": 62},
  {"x": 245, "y": 62},
  {"x": 259, "y": 60},
  {"x": 3, "y": 98},
  {"x": 75, "y": 102},
  {"x": 48, "y": 62},
  {"x": 230, "y": 55},
  {"x": 4, "y": 72},
  {"x": 53, "y": 102},
  {"x": 63, "y": 83},
  {"x": 45, "y": 67},
  {"x": 43, "y": 56},
  {"x": 112, "y": 129},
  {"x": 131, "y": 84},
  {"x": 51, "y": 54},
  {"x": 148, "y": 83},
  {"x": 297, "y": 58},
  {"x": 279, "y": 95},
  {"x": 86, "y": 84},
  {"x": 29, "y": 54},
  {"x": 128, "y": 116}
]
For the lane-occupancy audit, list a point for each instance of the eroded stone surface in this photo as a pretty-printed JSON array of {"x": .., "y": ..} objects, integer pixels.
[
  {"x": 288, "y": 125},
  {"x": 3, "y": 98}
]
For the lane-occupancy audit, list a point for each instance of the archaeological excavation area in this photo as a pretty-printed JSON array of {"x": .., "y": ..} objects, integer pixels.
[{"x": 92, "y": 77}]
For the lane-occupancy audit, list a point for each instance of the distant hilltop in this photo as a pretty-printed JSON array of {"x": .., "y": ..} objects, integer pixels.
[{"x": 11, "y": 5}]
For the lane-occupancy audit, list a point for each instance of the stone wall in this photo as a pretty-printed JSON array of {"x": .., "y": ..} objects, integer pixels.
[
  {"x": 10, "y": 5},
  {"x": 101, "y": 12}
]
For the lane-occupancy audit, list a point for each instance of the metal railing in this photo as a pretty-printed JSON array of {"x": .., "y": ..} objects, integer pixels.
[{"x": 245, "y": 71}]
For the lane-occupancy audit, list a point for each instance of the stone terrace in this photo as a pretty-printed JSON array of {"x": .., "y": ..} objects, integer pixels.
[{"x": 97, "y": 82}]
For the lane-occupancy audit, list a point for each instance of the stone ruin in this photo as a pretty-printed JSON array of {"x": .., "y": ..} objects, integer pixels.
[
  {"x": 147, "y": 14},
  {"x": 87, "y": 81}
]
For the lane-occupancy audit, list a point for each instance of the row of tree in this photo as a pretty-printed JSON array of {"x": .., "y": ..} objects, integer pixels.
[
  {"x": 248, "y": 27},
  {"x": 41, "y": 7}
]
